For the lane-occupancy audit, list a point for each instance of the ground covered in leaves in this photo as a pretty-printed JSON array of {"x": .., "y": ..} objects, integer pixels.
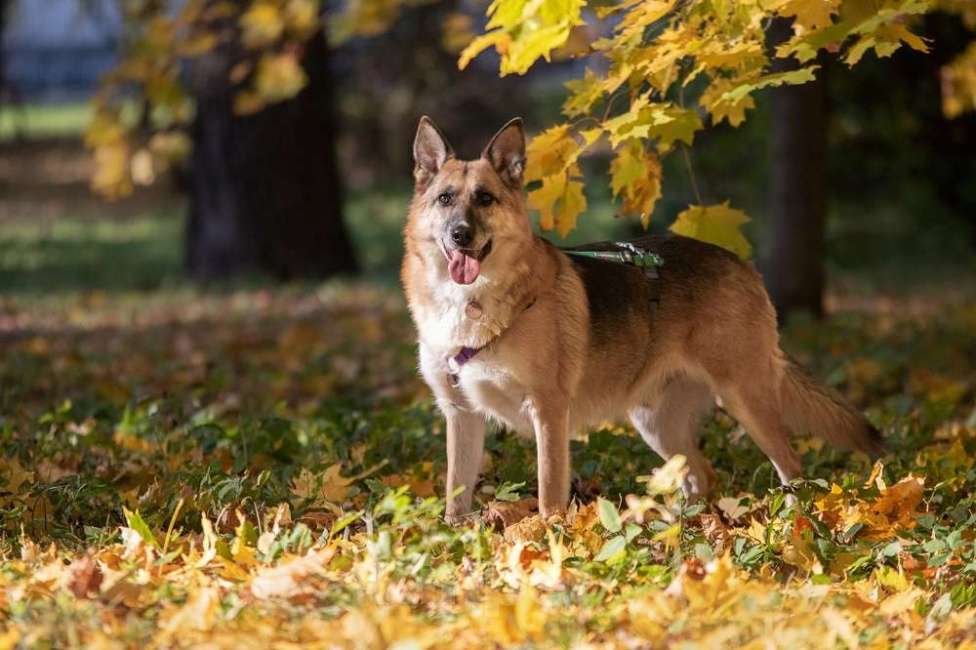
[{"x": 262, "y": 468}]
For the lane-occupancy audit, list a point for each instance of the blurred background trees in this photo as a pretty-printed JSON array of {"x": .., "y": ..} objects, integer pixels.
[{"x": 294, "y": 154}]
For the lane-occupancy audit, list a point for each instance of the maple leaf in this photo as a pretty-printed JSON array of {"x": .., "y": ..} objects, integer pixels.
[
  {"x": 199, "y": 613},
  {"x": 791, "y": 78},
  {"x": 716, "y": 224},
  {"x": 13, "y": 474},
  {"x": 733, "y": 507},
  {"x": 731, "y": 110},
  {"x": 83, "y": 577},
  {"x": 665, "y": 122},
  {"x": 809, "y": 14},
  {"x": 279, "y": 77},
  {"x": 261, "y": 25},
  {"x": 635, "y": 174},
  {"x": 552, "y": 152},
  {"x": 502, "y": 514},
  {"x": 559, "y": 201},
  {"x": 523, "y": 32},
  {"x": 498, "y": 38},
  {"x": 583, "y": 93},
  {"x": 288, "y": 579},
  {"x": 329, "y": 488}
]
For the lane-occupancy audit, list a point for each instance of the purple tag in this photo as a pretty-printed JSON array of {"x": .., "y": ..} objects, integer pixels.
[{"x": 465, "y": 355}]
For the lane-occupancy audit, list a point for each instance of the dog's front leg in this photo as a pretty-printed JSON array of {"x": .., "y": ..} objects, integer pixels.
[
  {"x": 551, "y": 423},
  {"x": 465, "y": 447},
  {"x": 465, "y": 434}
]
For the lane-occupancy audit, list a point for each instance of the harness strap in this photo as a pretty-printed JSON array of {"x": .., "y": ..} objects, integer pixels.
[{"x": 630, "y": 254}]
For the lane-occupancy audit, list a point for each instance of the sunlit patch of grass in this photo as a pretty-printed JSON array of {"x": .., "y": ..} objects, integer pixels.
[
  {"x": 44, "y": 120},
  {"x": 135, "y": 254}
]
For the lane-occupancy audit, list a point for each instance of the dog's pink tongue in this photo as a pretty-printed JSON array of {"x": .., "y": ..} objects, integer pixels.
[{"x": 464, "y": 269}]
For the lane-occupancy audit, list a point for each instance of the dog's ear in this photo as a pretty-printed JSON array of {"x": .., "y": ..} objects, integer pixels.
[
  {"x": 430, "y": 151},
  {"x": 506, "y": 152}
]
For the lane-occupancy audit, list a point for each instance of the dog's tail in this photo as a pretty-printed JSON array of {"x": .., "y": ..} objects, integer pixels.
[{"x": 811, "y": 407}]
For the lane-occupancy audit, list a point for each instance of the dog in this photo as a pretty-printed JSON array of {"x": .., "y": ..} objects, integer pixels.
[{"x": 512, "y": 329}]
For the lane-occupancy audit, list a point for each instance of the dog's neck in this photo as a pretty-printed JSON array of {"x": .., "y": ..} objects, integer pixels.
[{"x": 441, "y": 308}]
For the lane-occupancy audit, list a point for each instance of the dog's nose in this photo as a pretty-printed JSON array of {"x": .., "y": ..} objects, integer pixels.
[{"x": 461, "y": 235}]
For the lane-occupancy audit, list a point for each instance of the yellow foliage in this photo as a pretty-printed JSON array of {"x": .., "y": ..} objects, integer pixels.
[
  {"x": 893, "y": 510},
  {"x": 261, "y": 25},
  {"x": 635, "y": 175},
  {"x": 559, "y": 201},
  {"x": 715, "y": 224},
  {"x": 279, "y": 77},
  {"x": 550, "y": 153},
  {"x": 656, "y": 49},
  {"x": 809, "y": 14},
  {"x": 959, "y": 84}
]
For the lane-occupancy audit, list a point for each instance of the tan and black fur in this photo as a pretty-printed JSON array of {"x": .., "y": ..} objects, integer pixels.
[{"x": 565, "y": 343}]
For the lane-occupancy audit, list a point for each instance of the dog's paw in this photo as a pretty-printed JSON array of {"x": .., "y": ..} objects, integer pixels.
[
  {"x": 455, "y": 519},
  {"x": 553, "y": 515}
]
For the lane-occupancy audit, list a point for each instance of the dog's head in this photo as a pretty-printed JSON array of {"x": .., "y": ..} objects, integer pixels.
[{"x": 470, "y": 213}]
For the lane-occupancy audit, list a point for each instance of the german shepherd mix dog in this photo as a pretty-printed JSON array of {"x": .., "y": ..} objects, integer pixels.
[{"x": 513, "y": 329}]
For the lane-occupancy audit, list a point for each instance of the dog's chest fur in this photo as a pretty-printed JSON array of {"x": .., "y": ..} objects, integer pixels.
[
  {"x": 491, "y": 389},
  {"x": 442, "y": 315},
  {"x": 487, "y": 382}
]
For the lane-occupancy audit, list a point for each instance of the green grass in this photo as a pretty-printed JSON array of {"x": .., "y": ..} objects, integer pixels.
[
  {"x": 44, "y": 120},
  {"x": 66, "y": 255}
]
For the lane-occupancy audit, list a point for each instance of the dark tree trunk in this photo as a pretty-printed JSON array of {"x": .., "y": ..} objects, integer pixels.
[
  {"x": 264, "y": 189},
  {"x": 794, "y": 270}
]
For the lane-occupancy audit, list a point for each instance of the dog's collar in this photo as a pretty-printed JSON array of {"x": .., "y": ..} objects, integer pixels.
[{"x": 466, "y": 354}]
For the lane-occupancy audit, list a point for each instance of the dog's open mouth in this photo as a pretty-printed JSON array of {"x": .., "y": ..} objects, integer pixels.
[{"x": 464, "y": 264}]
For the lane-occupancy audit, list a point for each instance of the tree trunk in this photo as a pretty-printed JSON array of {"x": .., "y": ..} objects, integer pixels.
[
  {"x": 794, "y": 271},
  {"x": 264, "y": 189}
]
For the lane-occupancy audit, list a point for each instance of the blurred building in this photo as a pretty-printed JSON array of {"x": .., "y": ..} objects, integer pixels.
[{"x": 57, "y": 49}]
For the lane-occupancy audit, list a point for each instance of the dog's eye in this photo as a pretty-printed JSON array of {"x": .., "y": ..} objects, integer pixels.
[
  {"x": 484, "y": 199},
  {"x": 444, "y": 199}
]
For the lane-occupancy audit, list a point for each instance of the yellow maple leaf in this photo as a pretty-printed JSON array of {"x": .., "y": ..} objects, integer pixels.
[
  {"x": 559, "y": 201},
  {"x": 302, "y": 16},
  {"x": 635, "y": 175},
  {"x": 731, "y": 110},
  {"x": 13, "y": 474},
  {"x": 809, "y": 14},
  {"x": 716, "y": 224},
  {"x": 261, "y": 25},
  {"x": 959, "y": 84},
  {"x": 552, "y": 152},
  {"x": 199, "y": 613},
  {"x": 667, "y": 478},
  {"x": 661, "y": 121},
  {"x": 498, "y": 38},
  {"x": 279, "y": 77},
  {"x": 583, "y": 93},
  {"x": 522, "y": 32},
  {"x": 330, "y": 487}
]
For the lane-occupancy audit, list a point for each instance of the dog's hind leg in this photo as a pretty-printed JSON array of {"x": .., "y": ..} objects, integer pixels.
[
  {"x": 670, "y": 427},
  {"x": 756, "y": 407}
]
